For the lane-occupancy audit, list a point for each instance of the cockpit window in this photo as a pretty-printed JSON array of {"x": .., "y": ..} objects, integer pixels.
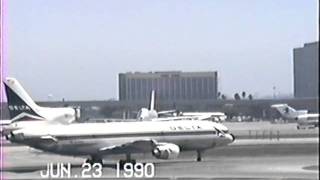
[
  {"x": 221, "y": 131},
  {"x": 225, "y": 131}
]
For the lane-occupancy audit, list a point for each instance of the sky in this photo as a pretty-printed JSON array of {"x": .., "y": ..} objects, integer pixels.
[{"x": 75, "y": 49}]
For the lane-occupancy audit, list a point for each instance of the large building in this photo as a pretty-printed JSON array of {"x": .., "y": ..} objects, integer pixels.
[
  {"x": 306, "y": 70},
  {"x": 172, "y": 85}
]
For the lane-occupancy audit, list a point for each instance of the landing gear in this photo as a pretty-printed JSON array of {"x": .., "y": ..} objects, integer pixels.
[
  {"x": 199, "y": 155},
  {"x": 122, "y": 162},
  {"x": 94, "y": 159},
  {"x": 127, "y": 160}
]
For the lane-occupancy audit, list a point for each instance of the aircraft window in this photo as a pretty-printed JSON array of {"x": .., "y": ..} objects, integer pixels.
[{"x": 225, "y": 131}]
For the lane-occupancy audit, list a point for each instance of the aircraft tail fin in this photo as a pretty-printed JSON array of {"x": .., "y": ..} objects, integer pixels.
[
  {"x": 152, "y": 100},
  {"x": 20, "y": 104},
  {"x": 283, "y": 108}
]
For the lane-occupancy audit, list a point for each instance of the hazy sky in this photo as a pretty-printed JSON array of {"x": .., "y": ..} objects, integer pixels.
[{"x": 76, "y": 48}]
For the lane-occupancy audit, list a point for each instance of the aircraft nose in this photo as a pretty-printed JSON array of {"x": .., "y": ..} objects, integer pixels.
[
  {"x": 233, "y": 137},
  {"x": 230, "y": 138}
]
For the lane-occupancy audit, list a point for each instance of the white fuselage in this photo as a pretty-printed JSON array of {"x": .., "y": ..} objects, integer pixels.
[
  {"x": 87, "y": 139},
  {"x": 216, "y": 116},
  {"x": 308, "y": 120}
]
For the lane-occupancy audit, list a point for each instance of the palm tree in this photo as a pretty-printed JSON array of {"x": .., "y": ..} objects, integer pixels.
[
  {"x": 219, "y": 95},
  {"x": 243, "y": 94},
  {"x": 224, "y": 97},
  {"x": 237, "y": 96}
]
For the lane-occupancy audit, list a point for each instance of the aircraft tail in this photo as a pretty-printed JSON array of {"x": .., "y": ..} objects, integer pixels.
[
  {"x": 20, "y": 104},
  {"x": 152, "y": 100},
  {"x": 284, "y": 109}
]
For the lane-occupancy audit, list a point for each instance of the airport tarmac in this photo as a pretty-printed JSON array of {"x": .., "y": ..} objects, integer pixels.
[
  {"x": 267, "y": 130},
  {"x": 295, "y": 158}
]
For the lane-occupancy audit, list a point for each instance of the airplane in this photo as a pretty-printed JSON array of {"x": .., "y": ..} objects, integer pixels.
[
  {"x": 23, "y": 110},
  {"x": 216, "y": 116},
  {"x": 303, "y": 118},
  {"x": 96, "y": 141},
  {"x": 147, "y": 114},
  {"x": 151, "y": 114}
]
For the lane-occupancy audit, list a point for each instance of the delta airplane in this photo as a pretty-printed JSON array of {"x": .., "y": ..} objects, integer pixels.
[
  {"x": 95, "y": 141},
  {"x": 303, "y": 118},
  {"x": 23, "y": 110},
  {"x": 151, "y": 114}
]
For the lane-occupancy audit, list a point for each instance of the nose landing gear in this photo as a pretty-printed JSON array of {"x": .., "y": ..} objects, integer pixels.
[
  {"x": 94, "y": 159},
  {"x": 127, "y": 160},
  {"x": 199, "y": 158}
]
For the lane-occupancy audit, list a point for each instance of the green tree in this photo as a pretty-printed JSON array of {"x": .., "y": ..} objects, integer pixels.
[
  {"x": 224, "y": 97},
  {"x": 237, "y": 96},
  {"x": 243, "y": 94}
]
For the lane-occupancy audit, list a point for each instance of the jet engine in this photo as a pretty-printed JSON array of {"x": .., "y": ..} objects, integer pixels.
[
  {"x": 15, "y": 137},
  {"x": 166, "y": 151}
]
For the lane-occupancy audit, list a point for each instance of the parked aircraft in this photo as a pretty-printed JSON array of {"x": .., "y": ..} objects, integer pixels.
[
  {"x": 147, "y": 114},
  {"x": 151, "y": 114},
  {"x": 215, "y": 116},
  {"x": 303, "y": 118}
]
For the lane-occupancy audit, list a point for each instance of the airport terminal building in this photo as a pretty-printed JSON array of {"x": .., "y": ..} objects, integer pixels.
[
  {"x": 172, "y": 85},
  {"x": 306, "y": 70}
]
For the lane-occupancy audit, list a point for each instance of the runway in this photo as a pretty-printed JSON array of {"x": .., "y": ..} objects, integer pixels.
[{"x": 245, "y": 159}]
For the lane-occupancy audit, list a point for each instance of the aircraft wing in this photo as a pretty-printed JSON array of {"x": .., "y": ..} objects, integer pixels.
[
  {"x": 203, "y": 117},
  {"x": 177, "y": 118},
  {"x": 139, "y": 146},
  {"x": 168, "y": 112},
  {"x": 46, "y": 140}
]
